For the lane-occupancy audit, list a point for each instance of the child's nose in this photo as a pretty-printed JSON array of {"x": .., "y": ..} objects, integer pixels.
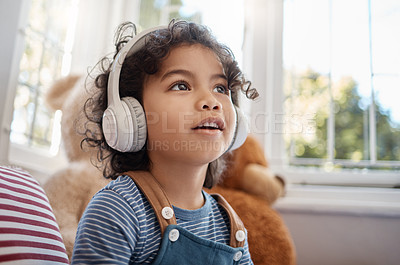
[
  {"x": 209, "y": 102},
  {"x": 215, "y": 106}
]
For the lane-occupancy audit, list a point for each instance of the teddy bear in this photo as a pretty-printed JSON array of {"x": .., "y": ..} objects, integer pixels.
[
  {"x": 247, "y": 184},
  {"x": 70, "y": 189},
  {"x": 251, "y": 188}
]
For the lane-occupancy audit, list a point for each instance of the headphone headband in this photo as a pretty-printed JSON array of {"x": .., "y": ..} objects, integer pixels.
[{"x": 132, "y": 46}]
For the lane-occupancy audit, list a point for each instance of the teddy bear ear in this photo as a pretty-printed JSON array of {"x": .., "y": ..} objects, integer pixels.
[{"x": 58, "y": 92}]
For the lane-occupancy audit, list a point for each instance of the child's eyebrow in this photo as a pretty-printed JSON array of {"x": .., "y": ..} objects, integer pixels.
[
  {"x": 189, "y": 74},
  {"x": 219, "y": 76},
  {"x": 177, "y": 72}
]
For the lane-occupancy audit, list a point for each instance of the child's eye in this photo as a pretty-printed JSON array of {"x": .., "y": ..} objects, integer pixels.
[
  {"x": 180, "y": 87},
  {"x": 222, "y": 89}
]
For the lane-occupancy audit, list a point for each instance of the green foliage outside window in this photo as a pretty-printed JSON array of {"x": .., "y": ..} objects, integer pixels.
[{"x": 311, "y": 94}]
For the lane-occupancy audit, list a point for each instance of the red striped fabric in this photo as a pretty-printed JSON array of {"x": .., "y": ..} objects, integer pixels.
[
  {"x": 24, "y": 189},
  {"x": 29, "y": 233}
]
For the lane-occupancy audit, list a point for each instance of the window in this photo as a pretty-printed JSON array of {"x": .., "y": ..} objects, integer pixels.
[
  {"x": 227, "y": 26},
  {"x": 47, "y": 57},
  {"x": 341, "y": 63},
  {"x": 329, "y": 74},
  {"x": 341, "y": 66}
]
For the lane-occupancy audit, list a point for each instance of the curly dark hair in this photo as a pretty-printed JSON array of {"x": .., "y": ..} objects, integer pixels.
[{"x": 144, "y": 62}]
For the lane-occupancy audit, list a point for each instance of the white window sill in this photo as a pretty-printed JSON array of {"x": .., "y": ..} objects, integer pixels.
[
  {"x": 340, "y": 200},
  {"x": 39, "y": 163}
]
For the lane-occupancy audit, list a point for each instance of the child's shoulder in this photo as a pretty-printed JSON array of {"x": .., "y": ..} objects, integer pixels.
[
  {"x": 122, "y": 188},
  {"x": 121, "y": 184}
]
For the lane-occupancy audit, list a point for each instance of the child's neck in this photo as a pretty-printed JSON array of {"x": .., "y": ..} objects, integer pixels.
[{"x": 182, "y": 183}]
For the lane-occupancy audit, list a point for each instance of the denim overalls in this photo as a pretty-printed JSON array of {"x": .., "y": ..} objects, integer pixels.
[{"x": 179, "y": 246}]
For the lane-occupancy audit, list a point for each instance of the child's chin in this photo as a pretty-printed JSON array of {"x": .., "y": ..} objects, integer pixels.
[{"x": 201, "y": 156}]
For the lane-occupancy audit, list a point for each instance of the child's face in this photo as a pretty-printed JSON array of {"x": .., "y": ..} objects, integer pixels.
[{"x": 190, "y": 115}]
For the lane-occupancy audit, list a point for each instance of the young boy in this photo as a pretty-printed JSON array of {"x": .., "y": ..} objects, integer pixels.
[{"x": 167, "y": 112}]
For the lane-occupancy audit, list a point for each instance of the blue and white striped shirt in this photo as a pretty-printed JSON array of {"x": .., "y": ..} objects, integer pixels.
[{"x": 119, "y": 226}]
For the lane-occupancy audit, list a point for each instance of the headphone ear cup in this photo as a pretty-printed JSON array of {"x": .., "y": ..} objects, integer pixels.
[
  {"x": 241, "y": 130},
  {"x": 124, "y": 126},
  {"x": 138, "y": 134},
  {"x": 109, "y": 125}
]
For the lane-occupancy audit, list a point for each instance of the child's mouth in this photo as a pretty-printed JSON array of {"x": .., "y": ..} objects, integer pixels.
[
  {"x": 208, "y": 126},
  {"x": 211, "y": 123}
]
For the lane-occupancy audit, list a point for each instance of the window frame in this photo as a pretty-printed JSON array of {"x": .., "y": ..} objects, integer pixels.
[
  {"x": 13, "y": 49},
  {"x": 40, "y": 162},
  {"x": 264, "y": 66}
]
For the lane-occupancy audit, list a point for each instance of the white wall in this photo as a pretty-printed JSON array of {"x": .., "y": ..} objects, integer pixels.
[
  {"x": 12, "y": 16},
  {"x": 97, "y": 23},
  {"x": 332, "y": 239},
  {"x": 346, "y": 226}
]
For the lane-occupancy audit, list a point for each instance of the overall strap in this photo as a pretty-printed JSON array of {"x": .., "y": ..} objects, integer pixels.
[
  {"x": 156, "y": 196},
  {"x": 162, "y": 207},
  {"x": 238, "y": 234}
]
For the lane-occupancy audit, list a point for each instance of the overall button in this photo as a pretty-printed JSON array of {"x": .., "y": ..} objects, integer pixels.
[
  {"x": 167, "y": 212},
  {"x": 240, "y": 235},
  {"x": 173, "y": 235},
  {"x": 238, "y": 256}
]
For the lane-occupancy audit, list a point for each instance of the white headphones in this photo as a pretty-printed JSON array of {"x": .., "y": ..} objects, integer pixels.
[{"x": 124, "y": 120}]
